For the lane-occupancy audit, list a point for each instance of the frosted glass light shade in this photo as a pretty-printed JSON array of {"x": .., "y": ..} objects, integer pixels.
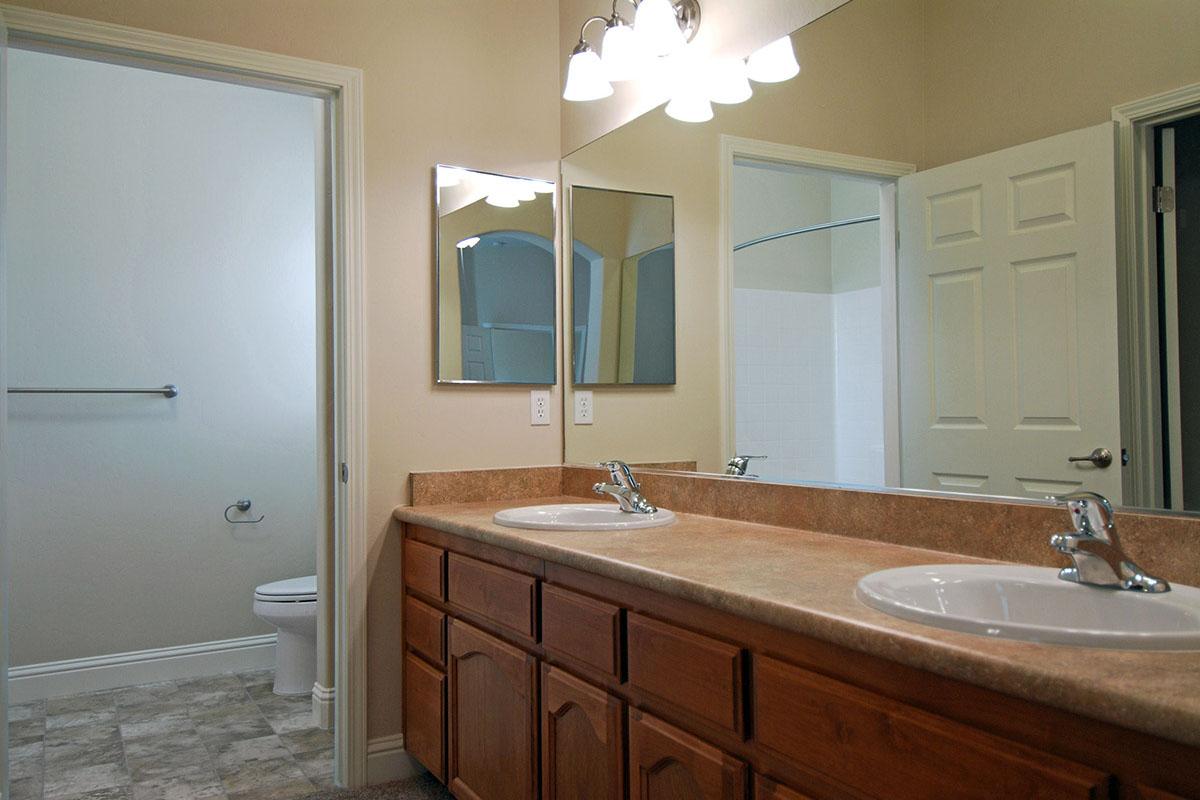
[
  {"x": 690, "y": 106},
  {"x": 727, "y": 81},
  {"x": 523, "y": 191},
  {"x": 502, "y": 199},
  {"x": 470, "y": 241},
  {"x": 657, "y": 27},
  {"x": 585, "y": 76},
  {"x": 620, "y": 53},
  {"x": 543, "y": 187},
  {"x": 774, "y": 62}
]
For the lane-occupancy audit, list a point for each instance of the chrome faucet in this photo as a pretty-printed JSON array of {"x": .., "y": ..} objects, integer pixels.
[
  {"x": 624, "y": 488},
  {"x": 1095, "y": 549},
  {"x": 738, "y": 464}
]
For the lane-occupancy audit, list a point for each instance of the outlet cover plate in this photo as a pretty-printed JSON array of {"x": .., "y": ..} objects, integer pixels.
[
  {"x": 539, "y": 407},
  {"x": 584, "y": 408}
]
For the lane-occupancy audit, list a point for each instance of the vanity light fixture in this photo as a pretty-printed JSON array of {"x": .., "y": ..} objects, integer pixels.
[
  {"x": 468, "y": 242},
  {"x": 656, "y": 50},
  {"x": 773, "y": 63}
]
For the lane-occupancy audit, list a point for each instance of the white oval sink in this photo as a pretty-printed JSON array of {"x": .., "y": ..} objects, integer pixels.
[
  {"x": 1034, "y": 604},
  {"x": 581, "y": 517}
]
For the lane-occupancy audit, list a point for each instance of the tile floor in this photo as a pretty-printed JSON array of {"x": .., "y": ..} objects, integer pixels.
[{"x": 227, "y": 737}]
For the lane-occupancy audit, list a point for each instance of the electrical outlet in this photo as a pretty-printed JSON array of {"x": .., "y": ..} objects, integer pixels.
[
  {"x": 583, "y": 408},
  {"x": 539, "y": 407}
]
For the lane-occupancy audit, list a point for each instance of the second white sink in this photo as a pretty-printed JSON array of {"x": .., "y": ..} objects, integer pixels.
[
  {"x": 1033, "y": 604},
  {"x": 580, "y": 517}
]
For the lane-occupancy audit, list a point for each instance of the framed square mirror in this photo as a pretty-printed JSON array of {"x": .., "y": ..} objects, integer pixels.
[
  {"x": 494, "y": 278},
  {"x": 622, "y": 307}
]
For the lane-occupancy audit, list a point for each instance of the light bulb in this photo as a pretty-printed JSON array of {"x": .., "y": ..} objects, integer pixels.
[
  {"x": 657, "y": 27},
  {"x": 585, "y": 76},
  {"x": 468, "y": 242},
  {"x": 774, "y": 62},
  {"x": 502, "y": 199},
  {"x": 543, "y": 187},
  {"x": 522, "y": 191},
  {"x": 620, "y": 52},
  {"x": 690, "y": 106},
  {"x": 727, "y": 81}
]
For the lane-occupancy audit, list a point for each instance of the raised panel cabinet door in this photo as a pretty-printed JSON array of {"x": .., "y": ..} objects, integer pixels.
[
  {"x": 582, "y": 741},
  {"x": 667, "y": 764},
  {"x": 767, "y": 789},
  {"x": 425, "y": 714},
  {"x": 493, "y": 718}
]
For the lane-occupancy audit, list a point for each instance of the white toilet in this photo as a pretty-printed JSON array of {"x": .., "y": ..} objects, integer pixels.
[{"x": 291, "y": 606}]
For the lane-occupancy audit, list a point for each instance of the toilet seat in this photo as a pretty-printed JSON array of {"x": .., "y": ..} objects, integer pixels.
[{"x": 292, "y": 590}]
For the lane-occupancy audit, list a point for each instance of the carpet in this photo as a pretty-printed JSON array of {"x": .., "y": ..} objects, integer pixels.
[{"x": 419, "y": 787}]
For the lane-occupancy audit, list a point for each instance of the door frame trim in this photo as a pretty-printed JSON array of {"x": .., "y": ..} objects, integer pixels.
[
  {"x": 343, "y": 86},
  {"x": 1137, "y": 291},
  {"x": 733, "y": 147}
]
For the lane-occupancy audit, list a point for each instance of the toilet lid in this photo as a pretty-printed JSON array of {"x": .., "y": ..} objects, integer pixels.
[{"x": 292, "y": 590}]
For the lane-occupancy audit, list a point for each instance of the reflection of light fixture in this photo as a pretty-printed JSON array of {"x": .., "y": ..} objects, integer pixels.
[
  {"x": 501, "y": 198},
  {"x": 542, "y": 187},
  {"x": 774, "y": 62},
  {"x": 585, "y": 73},
  {"x": 690, "y": 106},
  {"x": 470, "y": 242},
  {"x": 448, "y": 176},
  {"x": 686, "y": 73},
  {"x": 727, "y": 81},
  {"x": 657, "y": 27}
]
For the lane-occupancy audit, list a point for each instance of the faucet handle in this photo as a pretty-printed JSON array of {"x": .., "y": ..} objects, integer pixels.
[
  {"x": 621, "y": 474},
  {"x": 1091, "y": 513}
]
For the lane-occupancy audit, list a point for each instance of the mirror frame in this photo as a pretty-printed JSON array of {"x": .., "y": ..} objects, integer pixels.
[
  {"x": 437, "y": 281},
  {"x": 568, "y": 301}
]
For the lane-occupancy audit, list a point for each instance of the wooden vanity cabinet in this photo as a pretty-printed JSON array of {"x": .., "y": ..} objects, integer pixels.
[
  {"x": 583, "y": 740},
  {"x": 493, "y": 725},
  {"x": 527, "y": 680}
]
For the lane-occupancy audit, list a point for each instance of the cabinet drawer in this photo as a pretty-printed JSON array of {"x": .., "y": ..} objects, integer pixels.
[
  {"x": 425, "y": 630},
  {"x": 505, "y": 597},
  {"x": 425, "y": 715},
  {"x": 667, "y": 764},
  {"x": 581, "y": 628},
  {"x": 887, "y": 749},
  {"x": 767, "y": 789},
  {"x": 698, "y": 674},
  {"x": 424, "y": 569}
]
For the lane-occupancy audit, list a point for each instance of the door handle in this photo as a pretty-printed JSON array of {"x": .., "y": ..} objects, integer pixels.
[{"x": 1101, "y": 457}]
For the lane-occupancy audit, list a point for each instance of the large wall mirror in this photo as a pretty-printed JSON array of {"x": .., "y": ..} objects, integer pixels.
[
  {"x": 622, "y": 287},
  {"x": 496, "y": 271},
  {"x": 935, "y": 260}
]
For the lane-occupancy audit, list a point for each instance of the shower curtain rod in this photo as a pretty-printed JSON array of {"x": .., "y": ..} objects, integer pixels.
[{"x": 824, "y": 226}]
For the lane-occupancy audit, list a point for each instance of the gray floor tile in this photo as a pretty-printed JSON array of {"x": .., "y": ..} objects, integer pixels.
[
  {"x": 230, "y": 757},
  {"x": 25, "y": 788},
  {"x": 216, "y": 692},
  {"x": 318, "y": 768},
  {"x": 258, "y": 677},
  {"x": 114, "y": 793},
  {"x": 309, "y": 740},
  {"x": 67, "y": 781},
  {"x": 93, "y": 701},
  {"x": 152, "y": 747},
  {"x": 177, "y": 721},
  {"x": 73, "y": 719},
  {"x": 83, "y": 745},
  {"x": 256, "y": 775},
  {"x": 219, "y": 725},
  {"x": 32, "y": 710},
  {"x": 188, "y": 783},
  {"x": 146, "y": 694},
  {"x": 162, "y": 764},
  {"x": 26, "y": 730}
]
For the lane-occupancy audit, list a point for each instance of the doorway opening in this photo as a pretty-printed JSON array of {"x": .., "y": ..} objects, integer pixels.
[{"x": 1177, "y": 214}]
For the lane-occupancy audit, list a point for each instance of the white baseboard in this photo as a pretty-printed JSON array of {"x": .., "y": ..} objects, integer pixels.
[
  {"x": 322, "y": 705},
  {"x": 387, "y": 761},
  {"x": 60, "y": 678}
]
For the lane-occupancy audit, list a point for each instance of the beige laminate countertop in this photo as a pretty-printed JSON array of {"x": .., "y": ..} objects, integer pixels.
[{"x": 804, "y": 582}]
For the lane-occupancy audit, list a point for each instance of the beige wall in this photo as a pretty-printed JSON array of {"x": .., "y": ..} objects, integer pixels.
[
  {"x": 858, "y": 93},
  {"x": 433, "y": 72},
  {"x": 727, "y": 27},
  {"x": 997, "y": 74}
]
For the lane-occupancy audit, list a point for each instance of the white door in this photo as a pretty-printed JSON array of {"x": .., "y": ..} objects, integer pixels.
[{"x": 1008, "y": 337}]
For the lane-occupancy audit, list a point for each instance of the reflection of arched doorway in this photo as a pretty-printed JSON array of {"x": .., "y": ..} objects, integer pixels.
[{"x": 507, "y": 300}]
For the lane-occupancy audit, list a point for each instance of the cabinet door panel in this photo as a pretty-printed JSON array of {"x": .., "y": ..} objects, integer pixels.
[
  {"x": 493, "y": 739},
  {"x": 667, "y": 764},
  {"x": 425, "y": 630},
  {"x": 581, "y": 628},
  {"x": 582, "y": 741},
  {"x": 425, "y": 569},
  {"x": 425, "y": 714},
  {"x": 502, "y": 596}
]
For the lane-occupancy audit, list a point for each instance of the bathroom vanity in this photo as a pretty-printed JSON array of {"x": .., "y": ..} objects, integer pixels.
[{"x": 717, "y": 658}]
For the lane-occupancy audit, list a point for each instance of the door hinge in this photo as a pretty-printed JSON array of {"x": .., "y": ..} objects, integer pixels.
[
  {"x": 344, "y": 472},
  {"x": 1164, "y": 199}
]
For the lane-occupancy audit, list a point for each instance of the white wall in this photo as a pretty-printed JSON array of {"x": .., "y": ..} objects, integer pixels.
[{"x": 162, "y": 230}]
